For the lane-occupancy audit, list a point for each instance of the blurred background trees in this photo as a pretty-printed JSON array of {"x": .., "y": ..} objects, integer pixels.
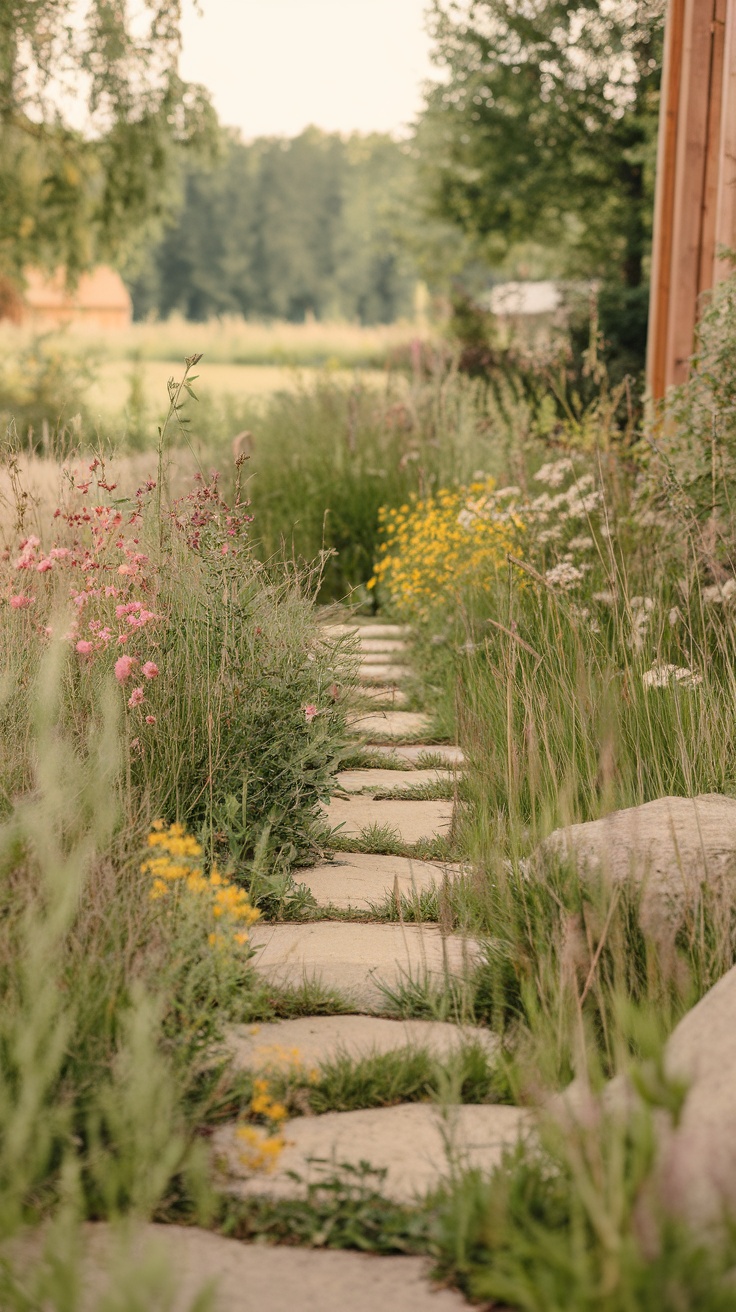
[{"x": 94, "y": 125}]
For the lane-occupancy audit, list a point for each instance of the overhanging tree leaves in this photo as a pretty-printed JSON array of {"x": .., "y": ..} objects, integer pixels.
[
  {"x": 544, "y": 126},
  {"x": 94, "y": 120}
]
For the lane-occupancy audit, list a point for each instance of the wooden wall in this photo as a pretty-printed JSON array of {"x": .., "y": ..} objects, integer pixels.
[{"x": 695, "y": 202}]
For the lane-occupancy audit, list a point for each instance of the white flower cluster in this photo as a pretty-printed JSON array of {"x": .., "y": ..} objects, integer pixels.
[
  {"x": 555, "y": 472},
  {"x": 641, "y": 613},
  {"x": 719, "y": 594},
  {"x": 565, "y": 575},
  {"x": 663, "y": 676}
]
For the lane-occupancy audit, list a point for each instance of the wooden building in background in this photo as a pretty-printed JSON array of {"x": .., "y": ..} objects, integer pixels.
[
  {"x": 695, "y": 205},
  {"x": 100, "y": 300}
]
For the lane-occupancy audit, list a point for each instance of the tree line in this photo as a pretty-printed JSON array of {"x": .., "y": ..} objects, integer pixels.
[{"x": 535, "y": 152}]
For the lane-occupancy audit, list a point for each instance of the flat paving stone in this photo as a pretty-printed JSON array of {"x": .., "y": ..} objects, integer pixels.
[
  {"x": 409, "y": 1142},
  {"x": 247, "y": 1277},
  {"x": 382, "y": 673},
  {"x": 368, "y": 631},
  {"x": 412, "y": 821},
  {"x": 392, "y": 724},
  {"x": 357, "y": 880},
  {"x": 356, "y": 958},
  {"x": 395, "y": 648},
  {"x": 391, "y": 697},
  {"x": 312, "y": 1041},
  {"x": 452, "y": 756},
  {"x": 367, "y": 781}
]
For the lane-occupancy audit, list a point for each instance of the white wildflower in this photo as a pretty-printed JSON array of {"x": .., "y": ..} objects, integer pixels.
[
  {"x": 718, "y": 593},
  {"x": 579, "y": 507},
  {"x": 605, "y": 532},
  {"x": 554, "y": 472},
  {"x": 565, "y": 575},
  {"x": 583, "y": 483},
  {"x": 605, "y": 598},
  {"x": 580, "y": 543},
  {"x": 662, "y": 676},
  {"x": 508, "y": 492},
  {"x": 552, "y": 534},
  {"x": 675, "y": 617},
  {"x": 466, "y": 519},
  {"x": 583, "y": 616},
  {"x": 641, "y": 610}
]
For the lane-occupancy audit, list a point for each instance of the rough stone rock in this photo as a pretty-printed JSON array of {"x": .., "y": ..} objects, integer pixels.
[
  {"x": 371, "y": 781},
  {"x": 412, "y": 821},
  {"x": 698, "y": 1157},
  {"x": 409, "y": 1142},
  {"x": 390, "y": 697},
  {"x": 452, "y": 756},
  {"x": 315, "y": 1040},
  {"x": 258, "y": 1277},
  {"x": 672, "y": 846},
  {"x": 356, "y": 958},
  {"x": 385, "y": 674},
  {"x": 400, "y": 725},
  {"x": 356, "y": 880}
]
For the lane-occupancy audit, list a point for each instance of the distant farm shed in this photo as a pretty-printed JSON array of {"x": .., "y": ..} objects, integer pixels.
[{"x": 100, "y": 299}]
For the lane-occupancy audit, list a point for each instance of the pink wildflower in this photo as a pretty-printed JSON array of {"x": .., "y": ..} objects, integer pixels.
[
  {"x": 150, "y": 719},
  {"x": 310, "y": 710},
  {"x": 150, "y": 669},
  {"x": 136, "y": 697},
  {"x": 84, "y": 647},
  {"x": 19, "y": 601},
  {"x": 124, "y": 667},
  {"x": 44, "y": 566}
]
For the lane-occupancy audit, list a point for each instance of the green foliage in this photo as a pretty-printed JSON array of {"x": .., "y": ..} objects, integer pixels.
[
  {"x": 343, "y": 1209},
  {"x": 286, "y": 229},
  {"x": 690, "y": 473},
  {"x": 573, "y": 1230},
  {"x": 42, "y": 398},
  {"x": 72, "y": 199},
  {"x": 544, "y": 127},
  {"x": 326, "y": 458}
]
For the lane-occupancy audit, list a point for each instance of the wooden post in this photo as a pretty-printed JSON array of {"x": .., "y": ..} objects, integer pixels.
[{"x": 695, "y": 202}]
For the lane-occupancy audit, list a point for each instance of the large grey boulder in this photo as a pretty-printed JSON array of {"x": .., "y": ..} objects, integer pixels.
[
  {"x": 698, "y": 1154},
  {"x": 672, "y": 847}
]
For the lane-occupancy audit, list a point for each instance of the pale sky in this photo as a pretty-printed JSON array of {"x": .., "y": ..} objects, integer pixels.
[{"x": 275, "y": 66}]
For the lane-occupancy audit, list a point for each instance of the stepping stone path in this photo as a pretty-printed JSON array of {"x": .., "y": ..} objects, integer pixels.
[
  {"x": 389, "y": 781},
  {"x": 410, "y": 821},
  {"x": 357, "y": 881},
  {"x": 250, "y": 1277},
  {"x": 415, "y": 1145}
]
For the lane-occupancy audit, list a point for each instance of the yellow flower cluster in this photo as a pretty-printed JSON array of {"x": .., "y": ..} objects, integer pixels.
[
  {"x": 439, "y": 546},
  {"x": 263, "y": 1144},
  {"x": 178, "y": 863}
]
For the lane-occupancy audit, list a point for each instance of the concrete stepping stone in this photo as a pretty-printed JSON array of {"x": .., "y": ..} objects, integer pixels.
[
  {"x": 411, "y": 821},
  {"x": 356, "y": 958},
  {"x": 249, "y": 1276},
  {"x": 392, "y": 724},
  {"x": 410, "y": 1142},
  {"x": 367, "y": 781},
  {"x": 312, "y": 1041},
  {"x": 452, "y": 756},
  {"x": 368, "y": 631},
  {"x": 389, "y": 696},
  {"x": 395, "y": 648},
  {"x": 357, "y": 880},
  {"x": 382, "y": 658},
  {"x": 382, "y": 673}
]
